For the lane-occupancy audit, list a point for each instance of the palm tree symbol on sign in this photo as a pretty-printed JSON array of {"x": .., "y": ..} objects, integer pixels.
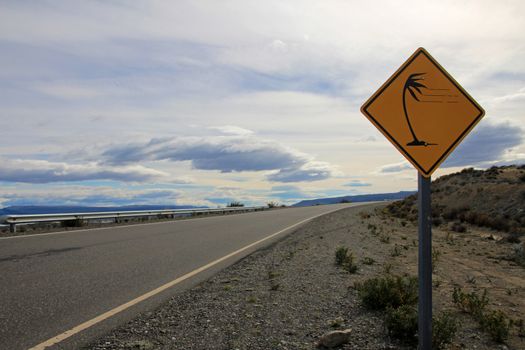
[{"x": 413, "y": 86}]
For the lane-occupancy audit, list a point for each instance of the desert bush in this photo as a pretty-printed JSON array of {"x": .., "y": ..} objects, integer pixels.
[
  {"x": 520, "y": 325},
  {"x": 403, "y": 208},
  {"x": 235, "y": 204},
  {"x": 454, "y": 213},
  {"x": 345, "y": 258},
  {"x": 401, "y": 324},
  {"x": 471, "y": 303},
  {"x": 436, "y": 253},
  {"x": 384, "y": 238},
  {"x": 368, "y": 261},
  {"x": 272, "y": 204},
  {"x": 458, "y": 227},
  {"x": 496, "y": 324},
  {"x": 382, "y": 292},
  {"x": 395, "y": 251},
  {"x": 340, "y": 255},
  {"x": 444, "y": 328},
  {"x": 437, "y": 221},
  {"x": 364, "y": 215},
  {"x": 513, "y": 238}
]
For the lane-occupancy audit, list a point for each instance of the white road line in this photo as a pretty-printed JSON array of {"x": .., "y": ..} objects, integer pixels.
[{"x": 57, "y": 339}]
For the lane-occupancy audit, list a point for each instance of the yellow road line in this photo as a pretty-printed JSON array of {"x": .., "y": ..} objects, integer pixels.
[{"x": 57, "y": 339}]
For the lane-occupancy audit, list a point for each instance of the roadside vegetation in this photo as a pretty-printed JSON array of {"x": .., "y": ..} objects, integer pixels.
[
  {"x": 345, "y": 259},
  {"x": 495, "y": 322},
  {"x": 397, "y": 296},
  {"x": 492, "y": 198},
  {"x": 234, "y": 204}
]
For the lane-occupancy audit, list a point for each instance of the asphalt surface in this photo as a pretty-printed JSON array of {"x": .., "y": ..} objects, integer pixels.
[{"x": 52, "y": 283}]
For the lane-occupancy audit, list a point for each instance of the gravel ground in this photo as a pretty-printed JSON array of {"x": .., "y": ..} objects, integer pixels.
[{"x": 288, "y": 295}]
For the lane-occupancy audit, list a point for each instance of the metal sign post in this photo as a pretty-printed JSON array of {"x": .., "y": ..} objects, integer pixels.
[
  {"x": 425, "y": 114},
  {"x": 424, "y": 264}
]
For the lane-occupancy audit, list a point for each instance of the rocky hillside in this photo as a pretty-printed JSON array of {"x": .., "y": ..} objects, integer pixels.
[{"x": 493, "y": 198}]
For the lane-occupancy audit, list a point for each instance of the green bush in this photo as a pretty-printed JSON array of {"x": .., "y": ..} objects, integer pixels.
[
  {"x": 368, "y": 260},
  {"x": 235, "y": 204},
  {"x": 444, "y": 328},
  {"x": 401, "y": 324},
  {"x": 380, "y": 293},
  {"x": 340, "y": 255},
  {"x": 436, "y": 221},
  {"x": 436, "y": 253},
  {"x": 345, "y": 259},
  {"x": 471, "y": 303},
  {"x": 497, "y": 325},
  {"x": 458, "y": 227}
]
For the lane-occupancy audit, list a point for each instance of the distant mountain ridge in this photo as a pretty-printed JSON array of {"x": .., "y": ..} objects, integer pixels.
[
  {"x": 37, "y": 209},
  {"x": 356, "y": 198}
]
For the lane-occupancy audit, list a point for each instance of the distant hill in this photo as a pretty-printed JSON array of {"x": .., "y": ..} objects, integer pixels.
[
  {"x": 356, "y": 198},
  {"x": 493, "y": 198},
  {"x": 20, "y": 210}
]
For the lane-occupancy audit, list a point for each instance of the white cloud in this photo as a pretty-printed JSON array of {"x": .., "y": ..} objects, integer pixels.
[
  {"x": 232, "y": 130},
  {"x": 87, "y": 196},
  {"x": 395, "y": 168},
  {"x": 226, "y": 154},
  {"x": 43, "y": 171},
  {"x": 517, "y": 96},
  {"x": 310, "y": 171}
]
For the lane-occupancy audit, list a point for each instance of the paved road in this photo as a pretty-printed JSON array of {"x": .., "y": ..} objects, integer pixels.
[{"x": 51, "y": 283}]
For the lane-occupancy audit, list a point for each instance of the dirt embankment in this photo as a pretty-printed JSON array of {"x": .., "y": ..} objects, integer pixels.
[
  {"x": 290, "y": 294},
  {"x": 492, "y": 198}
]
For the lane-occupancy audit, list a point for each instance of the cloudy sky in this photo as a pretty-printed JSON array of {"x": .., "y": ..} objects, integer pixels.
[{"x": 204, "y": 102}]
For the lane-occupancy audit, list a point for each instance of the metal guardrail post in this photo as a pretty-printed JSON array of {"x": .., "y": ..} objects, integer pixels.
[{"x": 12, "y": 228}]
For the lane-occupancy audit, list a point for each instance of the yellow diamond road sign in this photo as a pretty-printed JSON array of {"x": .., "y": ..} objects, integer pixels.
[{"x": 423, "y": 111}]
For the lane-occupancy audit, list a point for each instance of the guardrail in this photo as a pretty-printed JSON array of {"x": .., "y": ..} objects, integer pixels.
[{"x": 14, "y": 220}]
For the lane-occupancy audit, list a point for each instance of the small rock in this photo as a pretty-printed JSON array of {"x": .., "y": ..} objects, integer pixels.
[{"x": 335, "y": 338}]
